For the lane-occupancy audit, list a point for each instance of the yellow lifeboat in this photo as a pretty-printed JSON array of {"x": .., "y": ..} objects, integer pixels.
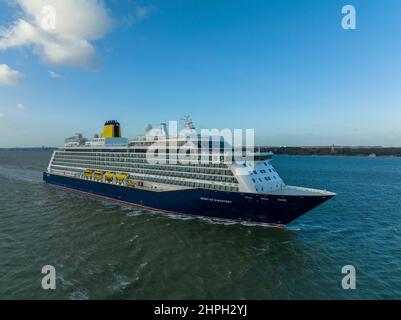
[
  {"x": 121, "y": 176},
  {"x": 99, "y": 175},
  {"x": 88, "y": 173},
  {"x": 109, "y": 176},
  {"x": 131, "y": 183}
]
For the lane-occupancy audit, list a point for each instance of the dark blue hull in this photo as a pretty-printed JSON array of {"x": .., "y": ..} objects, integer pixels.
[{"x": 245, "y": 207}]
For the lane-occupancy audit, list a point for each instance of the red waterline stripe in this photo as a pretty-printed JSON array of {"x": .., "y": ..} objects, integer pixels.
[{"x": 93, "y": 195}]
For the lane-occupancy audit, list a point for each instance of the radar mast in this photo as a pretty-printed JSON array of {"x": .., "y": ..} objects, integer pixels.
[{"x": 188, "y": 124}]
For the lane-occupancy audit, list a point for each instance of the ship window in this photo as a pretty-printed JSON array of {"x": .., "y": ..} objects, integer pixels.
[
  {"x": 260, "y": 180},
  {"x": 254, "y": 180},
  {"x": 254, "y": 171}
]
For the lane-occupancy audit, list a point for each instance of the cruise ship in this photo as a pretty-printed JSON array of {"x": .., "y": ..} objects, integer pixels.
[{"x": 182, "y": 173}]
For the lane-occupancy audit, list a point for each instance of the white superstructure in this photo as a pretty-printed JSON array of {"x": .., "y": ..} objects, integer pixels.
[{"x": 157, "y": 157}]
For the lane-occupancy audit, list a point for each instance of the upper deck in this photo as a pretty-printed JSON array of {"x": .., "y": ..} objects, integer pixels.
[{"x": 186, "y": 159}]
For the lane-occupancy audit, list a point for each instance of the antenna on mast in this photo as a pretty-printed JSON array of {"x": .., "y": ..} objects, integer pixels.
[{"x": 188, "y": 124}]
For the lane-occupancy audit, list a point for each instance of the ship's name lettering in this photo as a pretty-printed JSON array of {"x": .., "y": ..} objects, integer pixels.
[{"x": 216, "y": 200}]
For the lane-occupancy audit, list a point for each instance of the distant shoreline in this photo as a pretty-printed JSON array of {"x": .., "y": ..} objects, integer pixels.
[
  {"x": 336, "y": 151},
  {"x": 294, "y": 151},
  {"x": 29, "y": 149}
]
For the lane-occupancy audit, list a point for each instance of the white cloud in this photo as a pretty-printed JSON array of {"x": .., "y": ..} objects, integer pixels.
[
  {"x": 2, "y": 115},
  {"x": 139, "y": 14},
  {"x": 54, "y": 74},
  {"x": 20, "y": 106},
  {"x": 62, "y": 36},
  {"x": 8, "y": 76}
]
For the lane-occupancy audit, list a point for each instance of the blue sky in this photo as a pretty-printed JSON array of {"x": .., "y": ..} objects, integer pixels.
[{"x": 285, "y": 68}]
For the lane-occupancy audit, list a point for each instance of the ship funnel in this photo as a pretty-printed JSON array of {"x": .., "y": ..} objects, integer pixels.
[{"x": 111, "y": 129}]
